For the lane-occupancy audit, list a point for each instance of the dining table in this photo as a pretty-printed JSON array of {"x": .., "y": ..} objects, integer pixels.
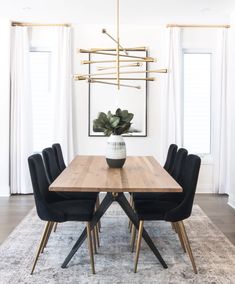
[{"x": 87, "y": 173}]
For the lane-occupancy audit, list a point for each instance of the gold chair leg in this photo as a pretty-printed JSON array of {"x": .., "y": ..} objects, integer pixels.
[
  {"x": 55, "y": 227},
  {"x": 90, "y": 247},
  {"x": 97, "y": 235},
  {"x": 178, "y": 231},
  {"x": 94, "y": 240},
  {"x": 141, "y": 225},
  {"x": 187, "y": 245},
  {"x": 47, "y": 226},
  {"x": 47, "y": 236},
  {"x": 133, "y": 237}
]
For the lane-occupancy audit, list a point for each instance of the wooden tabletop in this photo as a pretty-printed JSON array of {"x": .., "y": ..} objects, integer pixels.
[{"x": 92, "y": 174}]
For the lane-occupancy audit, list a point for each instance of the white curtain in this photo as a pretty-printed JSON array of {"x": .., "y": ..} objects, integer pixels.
[
  {"x": 62, "y": 92},
  {"x": 171, "y": 97},
  {"x": 21, "y": 116},
  {"x": 222, "y": 152}
]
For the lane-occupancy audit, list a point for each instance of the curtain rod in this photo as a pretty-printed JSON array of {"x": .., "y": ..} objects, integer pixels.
[
  {"x": 38, "y": 25},
  {"x": 198, "y": 26}
]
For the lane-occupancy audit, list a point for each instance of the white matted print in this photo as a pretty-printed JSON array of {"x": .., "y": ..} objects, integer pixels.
[{"x": 105, "y": 97}]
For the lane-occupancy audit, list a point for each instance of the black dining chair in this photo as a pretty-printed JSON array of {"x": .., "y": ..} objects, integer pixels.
[
  {"x": 175, "y": 172},
  {"x": 51, "y": 210},
  {"x": 59, "y": 156},
  {"x": 61, "y": 165},
  {"x": 53, "y": 171},
  {"x": 171, "y": 154},
  {"x": 172, "y": 210}
]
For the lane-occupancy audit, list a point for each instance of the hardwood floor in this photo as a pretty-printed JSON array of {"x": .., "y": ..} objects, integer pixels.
[
  {"x": 221, "y": 214},
  {"x": 12, "y": 210},
  {"x": 15, "y": 208}
]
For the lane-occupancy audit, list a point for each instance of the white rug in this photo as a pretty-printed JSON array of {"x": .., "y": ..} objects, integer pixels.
[{"x": 214, "y": 254}]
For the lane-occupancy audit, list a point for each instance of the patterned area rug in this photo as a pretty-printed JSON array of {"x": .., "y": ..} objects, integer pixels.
[{"x": 214, "y": 254}]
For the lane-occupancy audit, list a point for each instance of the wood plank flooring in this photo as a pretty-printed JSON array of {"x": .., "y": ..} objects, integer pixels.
[{"x": 15, "y": 208}]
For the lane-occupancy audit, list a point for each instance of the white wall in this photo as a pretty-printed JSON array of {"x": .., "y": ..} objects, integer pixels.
[{"x": 4, "y": 105}]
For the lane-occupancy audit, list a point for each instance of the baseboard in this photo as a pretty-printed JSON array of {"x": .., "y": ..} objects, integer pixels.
[
  {"x": 231, "y": 201},
  {"x": 204, "y": 188},
  {"x": 4, "y": 191}
]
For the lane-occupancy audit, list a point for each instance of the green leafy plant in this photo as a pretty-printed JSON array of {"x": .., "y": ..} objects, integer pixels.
[{"x": 116, "y": 124}]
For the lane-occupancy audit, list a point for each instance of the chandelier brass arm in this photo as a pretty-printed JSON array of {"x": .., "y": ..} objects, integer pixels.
[
  {"x": 120, "y": 47},
  {"x": 137, "y": 64},
  {"x": 125, "y": 72},
  {"x": 81, "y": 78},
  {"x": 114, "y": 54},
  {"x": 147, "y": 59},
  {"x": 115, "y": 84},
  {"x": 81, "y": 50}
]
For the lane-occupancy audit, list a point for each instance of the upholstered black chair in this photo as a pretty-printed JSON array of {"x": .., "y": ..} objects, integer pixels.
[
  {"x": 59, "y": 156},
  {"x": 51, "y": 210},
  {"x": 53, "y": 171},
  {"x": 175, "y": 171},
  {"x": 172, "y": 210},
  {"x": 170, "y": 157},
  {"x": 171, "y": 154},
  {"x": 168, "y": 166}
]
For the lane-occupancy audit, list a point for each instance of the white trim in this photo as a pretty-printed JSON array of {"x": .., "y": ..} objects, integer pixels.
[
  {"x": 231, "y": 201},
  {"x": 205, "y": 188},
  {"x": 4, "y": 191}
]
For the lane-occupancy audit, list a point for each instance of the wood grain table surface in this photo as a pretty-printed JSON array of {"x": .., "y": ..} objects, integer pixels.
[{"x": 92, "y": 174}]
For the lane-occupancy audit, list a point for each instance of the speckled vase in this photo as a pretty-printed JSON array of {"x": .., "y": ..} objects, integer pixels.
[{"x": 116, "y": 151}]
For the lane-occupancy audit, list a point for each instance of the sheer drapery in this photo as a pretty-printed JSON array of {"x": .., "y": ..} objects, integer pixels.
[
  {"x": 171, "y": 99},
  {"x": 62, "y": 92},
  {"x": 21, "y": 113},
  {"x": 221, "y": 117}
]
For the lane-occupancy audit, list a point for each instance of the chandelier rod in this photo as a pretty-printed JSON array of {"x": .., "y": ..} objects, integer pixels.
[{"x": 118, "y": 43}]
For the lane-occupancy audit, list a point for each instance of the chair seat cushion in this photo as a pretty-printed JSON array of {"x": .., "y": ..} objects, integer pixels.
[
  {"x": 72, "y": 210},
  {"x": 153, "y": 209}
]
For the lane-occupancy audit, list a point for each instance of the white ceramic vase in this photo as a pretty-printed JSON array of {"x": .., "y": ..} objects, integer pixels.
[{"x": 115, "y": 151}]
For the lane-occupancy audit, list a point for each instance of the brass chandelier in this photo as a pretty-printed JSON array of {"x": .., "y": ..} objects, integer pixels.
[{"x": 119, "y": 55}]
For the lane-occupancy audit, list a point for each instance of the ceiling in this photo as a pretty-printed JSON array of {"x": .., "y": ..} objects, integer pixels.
[{"x": 143, "y": 12}]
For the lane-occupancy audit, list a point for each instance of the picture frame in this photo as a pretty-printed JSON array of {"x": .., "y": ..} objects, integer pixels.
[{"x": 103, "y": 97}]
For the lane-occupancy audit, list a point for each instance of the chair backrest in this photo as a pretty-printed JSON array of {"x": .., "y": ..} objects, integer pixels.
[
  {"x": 51, "y": 165},
  {"x": 178, "y": 164},
  {"x": 170, "y": 157},
  {"x": 189, "y": 178},
  {"x": 40, "y": 184},
  {"x": 59, "y": 156}
]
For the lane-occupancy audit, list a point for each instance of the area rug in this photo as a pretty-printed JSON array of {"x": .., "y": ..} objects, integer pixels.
[{"x": 213, "y": 252}]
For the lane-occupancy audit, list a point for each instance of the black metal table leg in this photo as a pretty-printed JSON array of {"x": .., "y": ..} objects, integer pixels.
[
  {"x": 121, "y": 199},
  {"x": 104, "y": 205},
  {"x": 106, "y": 202}
]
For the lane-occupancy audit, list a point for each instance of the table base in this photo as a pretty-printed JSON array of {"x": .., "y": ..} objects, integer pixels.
[{"x": 106, "y": 202}]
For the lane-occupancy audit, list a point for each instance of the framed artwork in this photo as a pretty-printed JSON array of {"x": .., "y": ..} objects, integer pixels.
[{"x": 105, "y": 96}]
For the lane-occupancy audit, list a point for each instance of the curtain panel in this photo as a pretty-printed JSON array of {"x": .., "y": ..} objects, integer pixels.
[{"x": 21, "y": 133}]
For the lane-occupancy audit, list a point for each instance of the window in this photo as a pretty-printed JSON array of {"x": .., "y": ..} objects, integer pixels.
[
  {"x": 197, "y": 102},
  {"x": 40, "y": 69}
]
